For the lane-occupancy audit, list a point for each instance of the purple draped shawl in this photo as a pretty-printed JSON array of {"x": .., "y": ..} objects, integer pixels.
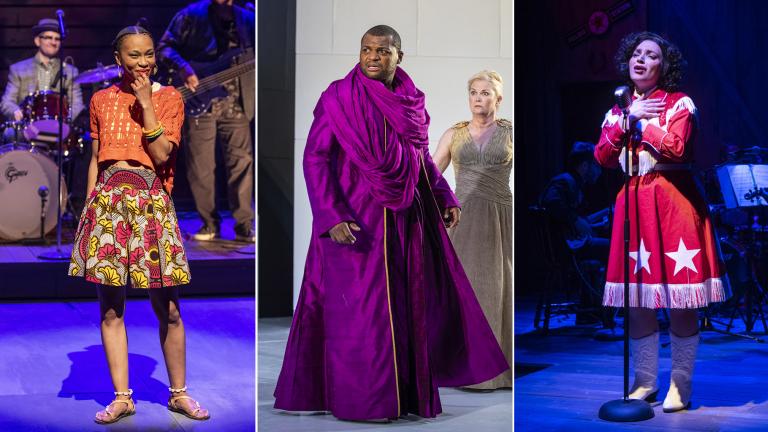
[
  {"x": 380, "y": 324},
  {"x": 391, "y": 170}
]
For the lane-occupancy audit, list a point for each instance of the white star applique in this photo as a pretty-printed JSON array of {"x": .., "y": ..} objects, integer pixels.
[
  {"x": 683, "y": 257},
  {"x": 641, "y": 263}
]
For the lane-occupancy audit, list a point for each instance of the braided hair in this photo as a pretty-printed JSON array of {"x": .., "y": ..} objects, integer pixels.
[{"x": 137, "y": 29}]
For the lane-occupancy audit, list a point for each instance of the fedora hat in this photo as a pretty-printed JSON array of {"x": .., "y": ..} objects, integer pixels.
[{"x": 44, "y": 25}]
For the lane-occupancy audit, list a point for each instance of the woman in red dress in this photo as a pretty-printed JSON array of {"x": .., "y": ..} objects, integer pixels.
[{"x": 674, "y": 258}]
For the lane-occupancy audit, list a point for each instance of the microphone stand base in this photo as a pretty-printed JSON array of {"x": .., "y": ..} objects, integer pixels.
[
  {"x": 56, "y": 255},
  {"x": 626, "y": 410}
]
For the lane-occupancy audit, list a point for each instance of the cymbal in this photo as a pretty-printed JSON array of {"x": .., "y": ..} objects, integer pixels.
[{"x": 98, "y": 75}]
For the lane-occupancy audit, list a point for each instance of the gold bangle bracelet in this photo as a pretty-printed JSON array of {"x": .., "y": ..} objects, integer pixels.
[
  {"x": 155, "y": 134},
  {"x": 153, "y": 131}
]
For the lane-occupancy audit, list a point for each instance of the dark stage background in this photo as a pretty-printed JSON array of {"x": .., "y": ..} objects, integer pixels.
[
  {"x": 562, "y": 92},
  {"x": 91, "y": 26},
  {"x": 276, "y": 81}
]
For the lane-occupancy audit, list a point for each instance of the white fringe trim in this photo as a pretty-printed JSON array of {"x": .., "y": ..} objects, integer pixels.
[
  {"x": 674, "y": 296},
  {"x": 622, "y": 157},
  {"x": 646, "y": 162},
  {"x": 684, "y": 103},
  {"x": 610, "y": 118}
]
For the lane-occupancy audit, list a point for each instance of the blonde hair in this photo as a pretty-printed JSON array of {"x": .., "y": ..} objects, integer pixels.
[{"x": 492, "y": 77}]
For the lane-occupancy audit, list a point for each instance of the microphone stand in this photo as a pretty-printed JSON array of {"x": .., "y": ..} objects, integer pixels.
[
  {"x": 42, "y": 192},
  {"x": 625, "y": 409},
  {"x": 58, "y": 254},
  {"x": 43, "y": 199}
]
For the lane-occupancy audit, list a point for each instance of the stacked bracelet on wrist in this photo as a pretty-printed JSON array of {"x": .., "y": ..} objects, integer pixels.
[{"x": 154, "y": 133}]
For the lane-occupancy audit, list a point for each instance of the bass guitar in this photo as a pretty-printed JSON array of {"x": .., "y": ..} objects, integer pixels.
[{"x": 212, "y": 76}]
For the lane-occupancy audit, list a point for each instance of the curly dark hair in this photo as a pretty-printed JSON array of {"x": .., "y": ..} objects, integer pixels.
[{"x": 672, "y": 59}]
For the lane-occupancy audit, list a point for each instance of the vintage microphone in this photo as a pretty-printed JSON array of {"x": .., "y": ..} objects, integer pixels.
[
  {"x": 623, "y": 97},
  {"x": 58, "y": 254},
  {"x": 626, "y": 410}
]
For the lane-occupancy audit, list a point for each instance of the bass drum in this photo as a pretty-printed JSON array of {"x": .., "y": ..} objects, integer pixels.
[{"x": 24, "y": 172}]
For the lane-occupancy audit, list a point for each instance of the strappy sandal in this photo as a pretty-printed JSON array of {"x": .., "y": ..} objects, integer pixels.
[
  {"x": 130, "y": 408},
  {"x": 172, "y": 406}
]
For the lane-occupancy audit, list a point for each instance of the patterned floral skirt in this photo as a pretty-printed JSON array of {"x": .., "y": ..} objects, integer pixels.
[{"x": 129, "y": 228}]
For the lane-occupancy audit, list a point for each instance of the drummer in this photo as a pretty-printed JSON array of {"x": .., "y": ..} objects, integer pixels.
[{"x": 40, "y": 73}]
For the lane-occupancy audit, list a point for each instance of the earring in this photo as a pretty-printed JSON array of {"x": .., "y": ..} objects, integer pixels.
[
  {"x": 154, "y": 70},
  {"x": 120, "y": 72}
]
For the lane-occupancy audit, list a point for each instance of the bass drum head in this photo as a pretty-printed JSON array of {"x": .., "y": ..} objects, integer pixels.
[{"x": 23, "y": 170}]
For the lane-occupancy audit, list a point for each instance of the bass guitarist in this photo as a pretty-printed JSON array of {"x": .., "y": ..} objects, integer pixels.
[{"x": 199, "y": 39}]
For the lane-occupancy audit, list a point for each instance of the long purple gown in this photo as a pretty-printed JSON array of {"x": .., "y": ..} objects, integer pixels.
[{"x": 380, "y": 324}]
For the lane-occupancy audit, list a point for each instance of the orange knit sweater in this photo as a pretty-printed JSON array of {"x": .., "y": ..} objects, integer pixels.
[{"x": 116, "y": 121}]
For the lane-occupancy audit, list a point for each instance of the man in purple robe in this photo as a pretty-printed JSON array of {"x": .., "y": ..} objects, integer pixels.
[{"x": 386, "y": 313}]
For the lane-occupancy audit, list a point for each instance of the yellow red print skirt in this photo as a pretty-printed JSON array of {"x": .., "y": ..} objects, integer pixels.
[{"x": 129, "y": 229}]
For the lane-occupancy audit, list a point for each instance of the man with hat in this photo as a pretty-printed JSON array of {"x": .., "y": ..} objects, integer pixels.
[{"x": 40, "y": 73}]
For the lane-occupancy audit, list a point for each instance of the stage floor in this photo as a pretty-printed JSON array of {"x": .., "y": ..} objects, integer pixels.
[
  {"x": 220, "y": 249},
  {"x": 562, "y": 380},
  {"x": 462, "y": 411},
  {"x": 208, "y": 261},
  {"x": 54, "y": 376}
]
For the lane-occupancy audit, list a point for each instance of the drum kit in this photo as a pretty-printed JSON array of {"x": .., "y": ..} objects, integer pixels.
[{"x": 28, "y": 151}]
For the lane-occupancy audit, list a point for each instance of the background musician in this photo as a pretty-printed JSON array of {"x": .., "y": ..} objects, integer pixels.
[
  {"x": 563, "y": 198},
  {"x": 40, "y": 73},
  {"x": 202, "y": 32}
]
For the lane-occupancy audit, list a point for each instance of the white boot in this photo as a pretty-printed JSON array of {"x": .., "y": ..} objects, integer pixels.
[
  {"x": 683, "y": 359},
  {"x": 645, "y": 361}
]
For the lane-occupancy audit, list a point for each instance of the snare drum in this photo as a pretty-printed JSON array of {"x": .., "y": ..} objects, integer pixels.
[
  {"x": 23, "y": 170},
  {"x": 42, "y": 112}
]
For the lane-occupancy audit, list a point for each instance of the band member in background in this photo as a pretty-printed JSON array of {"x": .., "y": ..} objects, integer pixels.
[
  {"x": 40, "y": 73},
  {"x": 563, "y": 199},
  {"x": 202, "y": 32},
  {"x": 129, "y": 227},
  {"x": 674, "y": 261}
]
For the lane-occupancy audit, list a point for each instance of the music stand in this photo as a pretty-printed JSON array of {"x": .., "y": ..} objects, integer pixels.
[
  {"x": 745, "y": 186},
  {"x": 738, "y": 181}
]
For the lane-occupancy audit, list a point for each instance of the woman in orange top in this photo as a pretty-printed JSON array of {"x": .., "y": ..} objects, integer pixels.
[{"x": 128, "y": 228}]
